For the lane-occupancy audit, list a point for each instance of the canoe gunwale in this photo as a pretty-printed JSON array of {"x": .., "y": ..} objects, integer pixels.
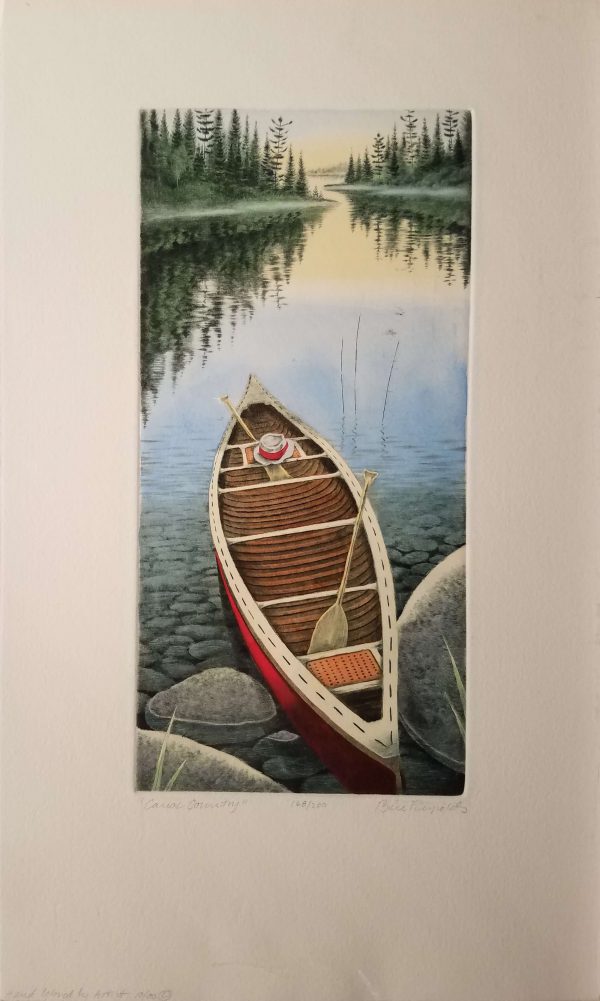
[{"x": 378, "y": 738}]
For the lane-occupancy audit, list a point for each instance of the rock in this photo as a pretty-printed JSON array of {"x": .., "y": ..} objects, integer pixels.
[
  {"x": 422, "y": 568},
  {"x": 180, "y": 669},
  {"x": 288, "y": 769},
  {"x": 146, "y": 659},
  {"x": 218, "y": 706},
  {"x": 209, "y": 649},
  {"x": 184, "y": 606},
  {"x": 164, "y": 581},
  {"x": 195, "y": 632},
  {"x": 322, "y": 783},
  {"x": 142, "y": 699},
  {"x": 162, "y": 643},
  {"x": 152, "y": 681},
  {"x": 455, "y": 539},
  {"x": 205, "y": 769},
  {"x": 445, "y": 549},
  {"x": 284, "y": 744},
  {"x": 435, "y": 610},
  {"x": 425, "y": 521},
  {"x": 160, "y": 622},
  {"x": 409, "y": 559},
  {"x": 416, "y": 543}
]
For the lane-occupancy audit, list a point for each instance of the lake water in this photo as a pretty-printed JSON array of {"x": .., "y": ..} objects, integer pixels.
[{"x": 283, "y": 295}]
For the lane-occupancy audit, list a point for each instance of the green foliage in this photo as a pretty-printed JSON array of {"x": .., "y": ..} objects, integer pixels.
[
  {"x": 200, "y": 160},
  {"x": 460, "y": 717},
  {"x": 416, "y": 157},
  {"x": 160, "y": 763}
]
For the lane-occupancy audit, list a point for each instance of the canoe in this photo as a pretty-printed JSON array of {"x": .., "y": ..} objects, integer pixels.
[{"x": 280, "y": 548}]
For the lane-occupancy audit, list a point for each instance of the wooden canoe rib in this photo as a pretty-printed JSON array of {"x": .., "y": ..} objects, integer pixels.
[{"x": 281, "y": 547}]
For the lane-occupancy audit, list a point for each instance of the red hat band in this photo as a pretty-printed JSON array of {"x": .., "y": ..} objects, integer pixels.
[{"x": 273, "y": 456}]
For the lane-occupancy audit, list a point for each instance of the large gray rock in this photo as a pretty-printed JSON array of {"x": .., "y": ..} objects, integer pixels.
[
  {"x": 436, "y": 610},
  {"x": 205, "y": 768},
  {"x": 218, "y": 706}
]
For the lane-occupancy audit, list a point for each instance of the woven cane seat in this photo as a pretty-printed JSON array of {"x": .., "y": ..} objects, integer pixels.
[{"x": 349, "y": 668}]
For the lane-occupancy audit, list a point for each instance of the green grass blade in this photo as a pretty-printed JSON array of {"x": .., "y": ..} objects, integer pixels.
[
  {"x": 459, "y": 722},
  {"x": 459, "y": 682},
  {"x": 174, "y": 777},
  {"x": 160, "y": 761}
]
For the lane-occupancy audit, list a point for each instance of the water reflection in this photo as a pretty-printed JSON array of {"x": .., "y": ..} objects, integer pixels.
[
  {"x": 405, "y": 228},
  {"x": 197, "y": 277}
]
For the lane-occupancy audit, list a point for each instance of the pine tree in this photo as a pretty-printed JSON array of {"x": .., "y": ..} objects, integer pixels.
[
  {"x": 437, "y": 147},
  {"x": 145, "y": 162},
  {"x": 358, "y": 170},
  {"x": 367, "y": 171},
  {"x": 350, "y": 174},
  {"x": 394, "y": 165},
  {"x": 465, "y": 128},
  {"x": 189, "y": 136},
  {"x": 234, "y": 149},
  {"x": 164, "y": 148},
  {"x": 204, "y": 130},
  {"x": 267, "y": 175},
  {"x": 177, "y": 135},
  {"x": 449, "y": 126},
  {"x": 378, "y": 150},
  {"x": 301, "y": 185},
  {"x": 425, "y": 153},
  {"x": 246, "y": 151},
  {"x": 290, "y": 175},
  {"x": 458, "y": 152},
  {"x": 410, "y": 122},
  {"x": 279, "y": 133},
  {"x": 153, "y": 143},
  {"x": 254, "y": 159},
  {"x": 216, "y": 153}
]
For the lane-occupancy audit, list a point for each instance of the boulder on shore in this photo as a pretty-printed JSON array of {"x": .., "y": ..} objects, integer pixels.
[
  {"x": 219, "y": 706},
  {"x": 428, "y": 695},
  {"x": 205, "y": 768}
]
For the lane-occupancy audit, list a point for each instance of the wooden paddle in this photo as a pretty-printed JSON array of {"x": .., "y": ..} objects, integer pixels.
[
  {"x": 274, "y": 472},
  {"x": 331, "y": 630}
]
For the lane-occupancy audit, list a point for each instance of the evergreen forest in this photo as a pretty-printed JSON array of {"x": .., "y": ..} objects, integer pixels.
[
  {"x": 413, "y": 156},
  {"x": 198, "y": 158}
]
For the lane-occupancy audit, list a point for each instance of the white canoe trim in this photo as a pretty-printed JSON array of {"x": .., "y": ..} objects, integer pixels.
[
  {"x": 378, "y": 738},
  {"x": 314, "y": 594},
  {"x": 317, "y": 527},
  {"x": 279, "y": 483}
]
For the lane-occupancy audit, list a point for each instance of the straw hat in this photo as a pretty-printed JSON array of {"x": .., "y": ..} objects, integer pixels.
[{"x": 273, "y": 448}]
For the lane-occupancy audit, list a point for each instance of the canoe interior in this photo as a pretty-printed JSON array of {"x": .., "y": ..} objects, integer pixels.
[{"x": 304, "y": 563}]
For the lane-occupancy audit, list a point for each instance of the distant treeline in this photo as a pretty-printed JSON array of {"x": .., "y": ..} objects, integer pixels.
[
  {"x": 198, "y": 157},
  {"x": 415, "y": 156}
]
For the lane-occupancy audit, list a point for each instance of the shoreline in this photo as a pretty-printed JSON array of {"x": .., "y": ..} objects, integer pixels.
[
  {"x": 166, "y": 213},
  {"x": 456, "y": 193}
]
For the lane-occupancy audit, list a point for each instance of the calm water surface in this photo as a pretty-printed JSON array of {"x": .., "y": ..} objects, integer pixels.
[{"x": 283, "y": 297}]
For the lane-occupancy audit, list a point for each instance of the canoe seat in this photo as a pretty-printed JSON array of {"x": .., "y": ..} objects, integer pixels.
[{"x": 349, "y": 668}]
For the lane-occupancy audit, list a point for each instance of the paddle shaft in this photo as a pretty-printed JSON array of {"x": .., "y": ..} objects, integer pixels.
[
  {"x": 241, "y": 422},
  {"x": 369, "y": 477}
]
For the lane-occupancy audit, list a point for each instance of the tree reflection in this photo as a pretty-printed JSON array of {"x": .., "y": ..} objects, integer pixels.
[
  {"x": 197, "y": 276},
  {"x": 404, "y": 227}
]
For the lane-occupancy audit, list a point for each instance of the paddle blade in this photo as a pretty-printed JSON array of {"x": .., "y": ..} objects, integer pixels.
[
  {"x": 331, "y": 631},
  {"x": 277, "y": 473}
]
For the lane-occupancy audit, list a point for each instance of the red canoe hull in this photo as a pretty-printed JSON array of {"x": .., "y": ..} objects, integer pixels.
[{"x": 356, "y": 770}]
